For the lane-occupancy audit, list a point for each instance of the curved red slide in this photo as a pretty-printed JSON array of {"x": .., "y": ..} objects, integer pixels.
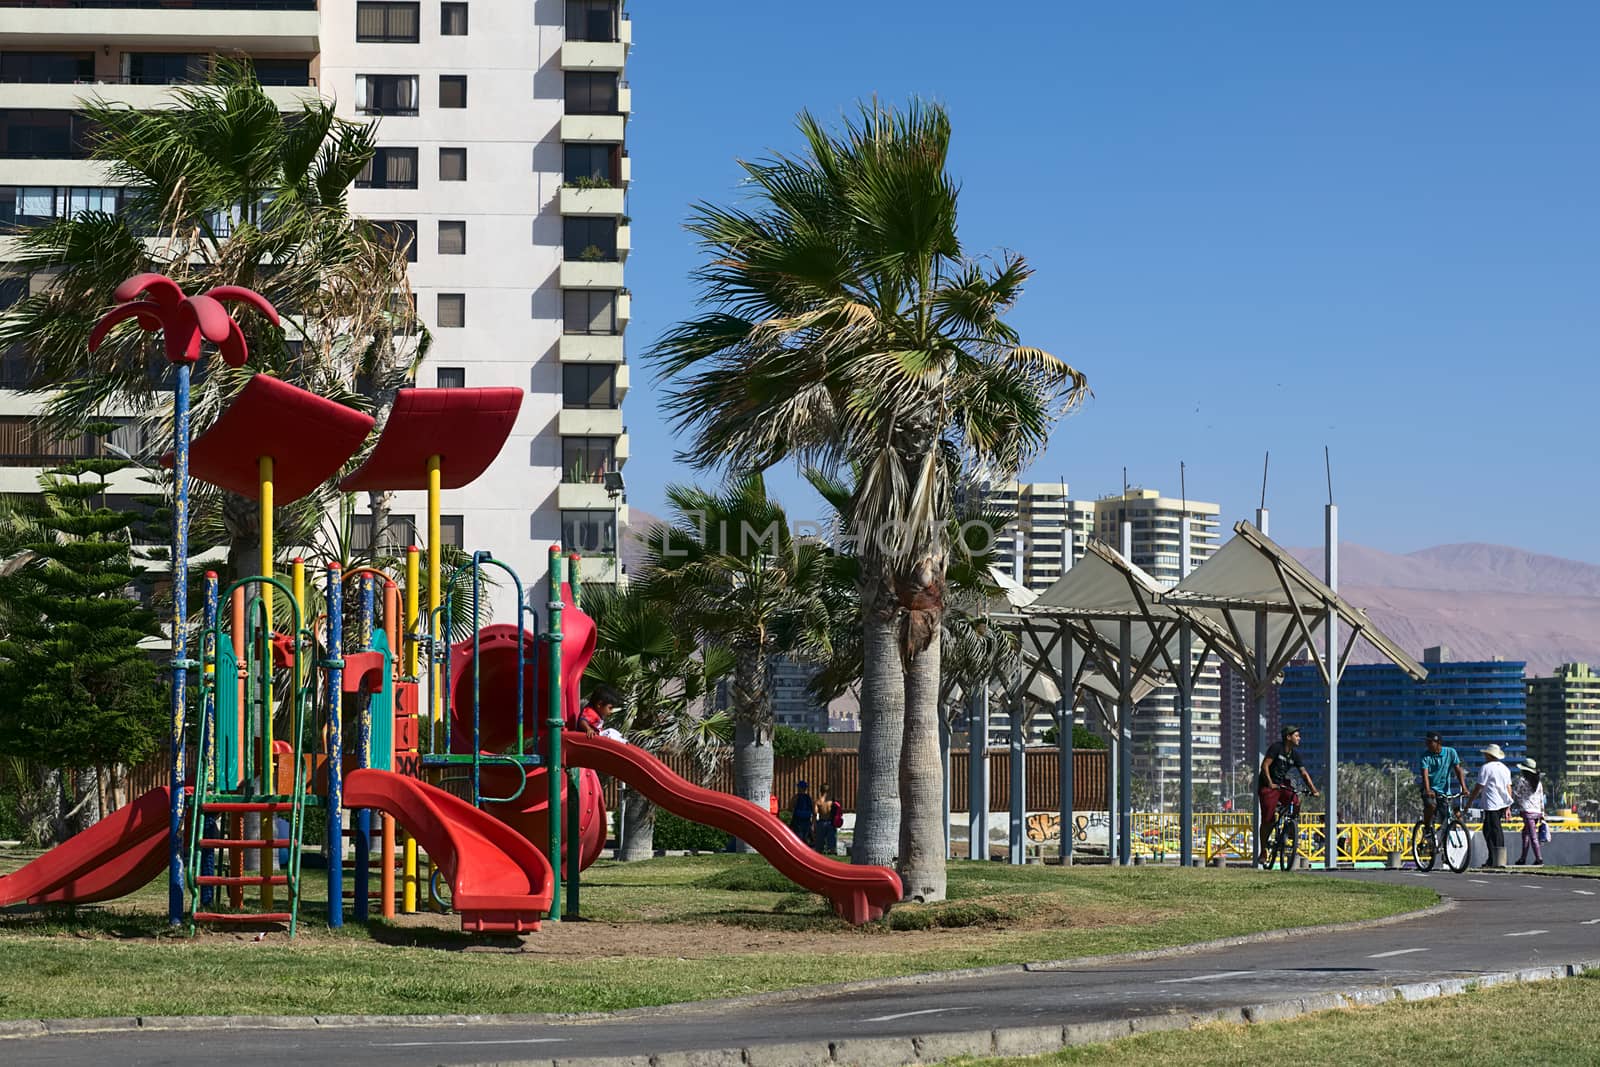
[
  {"x": 112, "y": 858},
  {"x": 859, "y": 894},
  {"x": 500, "y": 883}
]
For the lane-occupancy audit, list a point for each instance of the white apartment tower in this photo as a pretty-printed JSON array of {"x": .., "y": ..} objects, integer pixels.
[
  {"x": 502, "y": 131},
  {"x": 1155, "y": 522}
]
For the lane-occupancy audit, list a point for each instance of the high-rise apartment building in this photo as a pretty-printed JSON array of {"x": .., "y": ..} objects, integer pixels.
[
  {"x": 1384, "y": 713},
  {"x": 502, "y": 160},
  {"x": 1050, "y": 529},
  {"x": 1155, "y": 522},
  {"x": 1564, "y": 722}
]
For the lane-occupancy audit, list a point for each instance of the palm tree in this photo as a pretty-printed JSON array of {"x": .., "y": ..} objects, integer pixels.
[
  {"x": 663, "y": 682},
  {"x": 223, "y": 189},
  {"x": 844, "y": 322},
  {"x": 728, "y": 569}
]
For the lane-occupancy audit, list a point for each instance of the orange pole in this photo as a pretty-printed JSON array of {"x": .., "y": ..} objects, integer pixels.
[{"x": 391, "y": 619}]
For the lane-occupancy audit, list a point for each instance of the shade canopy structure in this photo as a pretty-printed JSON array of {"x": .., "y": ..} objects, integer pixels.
[
  {"x": 464, "y": 428},
  {"x": 1251, "y": 576},
  {"x": 307, "y": 437}
]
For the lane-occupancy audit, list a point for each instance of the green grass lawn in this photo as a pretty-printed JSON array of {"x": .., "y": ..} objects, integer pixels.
[
  {"x": 666, "y": 930},
  {"x": 1550, "y": 1024}
]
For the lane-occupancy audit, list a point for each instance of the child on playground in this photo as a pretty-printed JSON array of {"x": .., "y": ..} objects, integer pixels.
[
  {"x": 592, "y": 719},
  {"x": 1527, "y": 792},
  {"x": 830, "y": 814}
]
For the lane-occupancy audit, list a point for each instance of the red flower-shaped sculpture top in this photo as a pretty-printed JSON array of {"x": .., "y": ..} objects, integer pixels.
[{"x": 183, "y": 320}]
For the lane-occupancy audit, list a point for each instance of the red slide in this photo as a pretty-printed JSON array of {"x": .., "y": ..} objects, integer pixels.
[
  {"x": 859, "y": 894},
  {"x": 500, "y": 883},
  {"x": 112, "y": 858}
]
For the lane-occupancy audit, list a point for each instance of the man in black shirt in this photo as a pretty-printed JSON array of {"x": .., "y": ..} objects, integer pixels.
[{"x": 1275, "y": 785}]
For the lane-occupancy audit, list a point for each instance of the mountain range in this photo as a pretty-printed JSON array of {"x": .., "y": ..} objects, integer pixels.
[{"x": 1481, "y": 601}]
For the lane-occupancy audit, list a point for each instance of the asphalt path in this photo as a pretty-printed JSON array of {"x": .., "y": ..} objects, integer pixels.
[{"x": 1500, "y": 922}]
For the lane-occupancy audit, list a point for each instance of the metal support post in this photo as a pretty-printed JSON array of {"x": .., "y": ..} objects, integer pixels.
[
  {"x": 335, "y": 753},
  {"x": 1186, "y": 679},
  {"x": 557, "y": 780},
  {"x": 1016, "y": 831},
  {"x": 1125, "y": 731},
  {"x": 1258, "y": 728},
  {"x": 978, "y": 774},
  {"x": 1066, "y": 754},
  {"x": 1331, "y": 657},
  {"x": 180, "y": 658}
]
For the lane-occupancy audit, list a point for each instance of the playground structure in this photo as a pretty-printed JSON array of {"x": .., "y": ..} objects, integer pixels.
[{"x": 461, "y": 769}]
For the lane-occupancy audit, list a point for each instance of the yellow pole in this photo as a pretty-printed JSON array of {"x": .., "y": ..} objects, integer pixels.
[
  {"x": 413, "y": 589},
  {"x": 269, "y": 820}
]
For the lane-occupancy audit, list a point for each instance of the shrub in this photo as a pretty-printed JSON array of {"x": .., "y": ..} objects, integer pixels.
[
  {"x": 1082, "y": 737},
  {"x": 789, "y": 743},
  {"x": 674, "y": 834}
]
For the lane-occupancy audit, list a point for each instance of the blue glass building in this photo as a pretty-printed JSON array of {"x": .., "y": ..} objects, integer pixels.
[{"x": 1384, "y": 713}]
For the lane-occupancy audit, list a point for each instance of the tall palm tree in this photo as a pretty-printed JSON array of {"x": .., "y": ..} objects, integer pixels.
[
  {"x": 728, "y": 568},
  {"x": 223, "y": 189},
  {"x": 663, "y": 681},
  {"x": 844, "y": 322}
]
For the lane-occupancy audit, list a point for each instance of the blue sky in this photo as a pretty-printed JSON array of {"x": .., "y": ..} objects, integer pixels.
[{"x": 1255, "y": 226}]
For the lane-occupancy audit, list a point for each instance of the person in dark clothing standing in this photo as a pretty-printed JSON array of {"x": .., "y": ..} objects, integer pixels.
[{"x": 802, "y": 813}]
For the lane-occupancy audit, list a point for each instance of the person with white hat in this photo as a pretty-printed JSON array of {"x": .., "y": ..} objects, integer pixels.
[
  {"x": 1494, "y": 789},
  {"x": 1528, "y": 793}
]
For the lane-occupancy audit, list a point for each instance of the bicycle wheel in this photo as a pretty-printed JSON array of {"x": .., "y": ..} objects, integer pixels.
[
  {"x": 1424, "y": 845},
  {"x": 1289, "y": 844},
  {"x": 1457, "y": 846},
  {"x": 1274, "y": 843}
]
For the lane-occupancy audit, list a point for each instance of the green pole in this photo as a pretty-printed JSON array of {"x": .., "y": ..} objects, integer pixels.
[
  {"x": 557, "y": 783},
  {"x": 574, "y": 839}
]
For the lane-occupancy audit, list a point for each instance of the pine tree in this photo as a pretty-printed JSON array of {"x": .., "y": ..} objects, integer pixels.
[{"x": 76, "y": 691}]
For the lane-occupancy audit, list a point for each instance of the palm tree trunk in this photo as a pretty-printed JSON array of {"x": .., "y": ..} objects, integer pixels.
[
  {"x": 638, "y": 827},
  {"x": 752, "y": 732},
  {"x": 883, "y": 706},
  {"x": 381, "y": 544},
  {"x": 922, "y": 866},
  {"x": 40, "y": 807}
]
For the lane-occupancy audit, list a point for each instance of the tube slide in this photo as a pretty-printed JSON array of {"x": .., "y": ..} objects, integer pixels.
[
  {"x": 859, "y": 894},
  {"x": 500, "y": 883},
  {"x": 120, "y": 853}
]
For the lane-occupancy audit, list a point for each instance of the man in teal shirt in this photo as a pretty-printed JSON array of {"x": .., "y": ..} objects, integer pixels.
[{"x": 1437, "y": 767}]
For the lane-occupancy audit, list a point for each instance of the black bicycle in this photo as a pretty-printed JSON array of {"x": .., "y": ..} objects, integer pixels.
[
  {"x": 1283, "y": 838},
  {"x": 1448, "y": 838}
]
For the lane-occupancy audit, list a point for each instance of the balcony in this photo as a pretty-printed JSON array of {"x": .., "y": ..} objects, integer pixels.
[
  {"x": 624, "y": 170},
  {"x": 589, "y": 422},
  {"x": 580, "y": 274},
  {"x": 594, "y": 55},
  {"x": 138, "y": 97},
  {"x": 269, "y": 26},
  {"x": 608, "y": 128},
  {"x": 582, "y": 496},
  {"x": 624, "y": 308},
  {"x": 590, "y": 348},
  {"x": 576, "y": 201},
  {"x": 620, "y": 453},
  {"x": 624, "y": 240},
  {"x": 621, "y": 379},
  {"x": 625, "y": 99}
]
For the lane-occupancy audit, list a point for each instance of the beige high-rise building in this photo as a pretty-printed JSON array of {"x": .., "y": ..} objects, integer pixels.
[
  {"x": 1564, "y": 722},
  {"x": 502, "y": 160}
]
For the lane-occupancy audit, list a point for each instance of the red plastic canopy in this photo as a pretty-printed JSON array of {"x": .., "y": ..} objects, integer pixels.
[
  {"x": 309, "y": 437},
  {"x": 466, "y": 428}
]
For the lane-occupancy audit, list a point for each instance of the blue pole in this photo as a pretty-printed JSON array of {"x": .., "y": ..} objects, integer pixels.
[
  {"x": 180, "y": 664},
  {"x": 335, "y": 665},
  {"x": 208, "y": 758},
  {"x": 363, "y": 816}
]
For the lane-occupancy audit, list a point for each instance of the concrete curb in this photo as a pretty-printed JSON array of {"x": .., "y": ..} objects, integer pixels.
[{"x": 21, "y": 1028}]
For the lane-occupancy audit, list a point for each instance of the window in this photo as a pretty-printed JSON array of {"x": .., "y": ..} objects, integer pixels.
[
  {"x": 451, "y": 378},
  {"x": 452, "y": 20},
  {"x": 386, "y": 94},
  {"x": 589, "y": 239},
  {"x": 592, "y": 20},
  {"x": 589, "y": 531},
  {"x": 452, "y": 310},
  {"x": 283, "y": 71},
  {"x": 452, "y": 164},
  {"x": 591, "y": 93},
  {"x": 35, "y": 205},
  {"x": 400, "y": 234},
  {"x": 584, "y": 459},
  {"x": 42, "y": 133},
  {"x": 24, "y": 443},
  {"x": 165, "y": 68},
  {"x": 452, "y": 238},
  {"x": 592, "y": 164},
  {"x": 390, "y": 168},
  {"x": 589, "y": 385},
  {"x": 394, "y": 23},
  {"x": 452, "y": 90},
  {"x": 589, "y": 311},
  {"x": 47, "y": 68},
  {"x": 401, "y": 530},
  {"x": 453, "y": 530}
]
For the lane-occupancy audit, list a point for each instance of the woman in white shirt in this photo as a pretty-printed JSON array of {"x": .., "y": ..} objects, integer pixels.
[
  {"x": 1492, "y": 796},
  {"x": 1528, "y": 793}
]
